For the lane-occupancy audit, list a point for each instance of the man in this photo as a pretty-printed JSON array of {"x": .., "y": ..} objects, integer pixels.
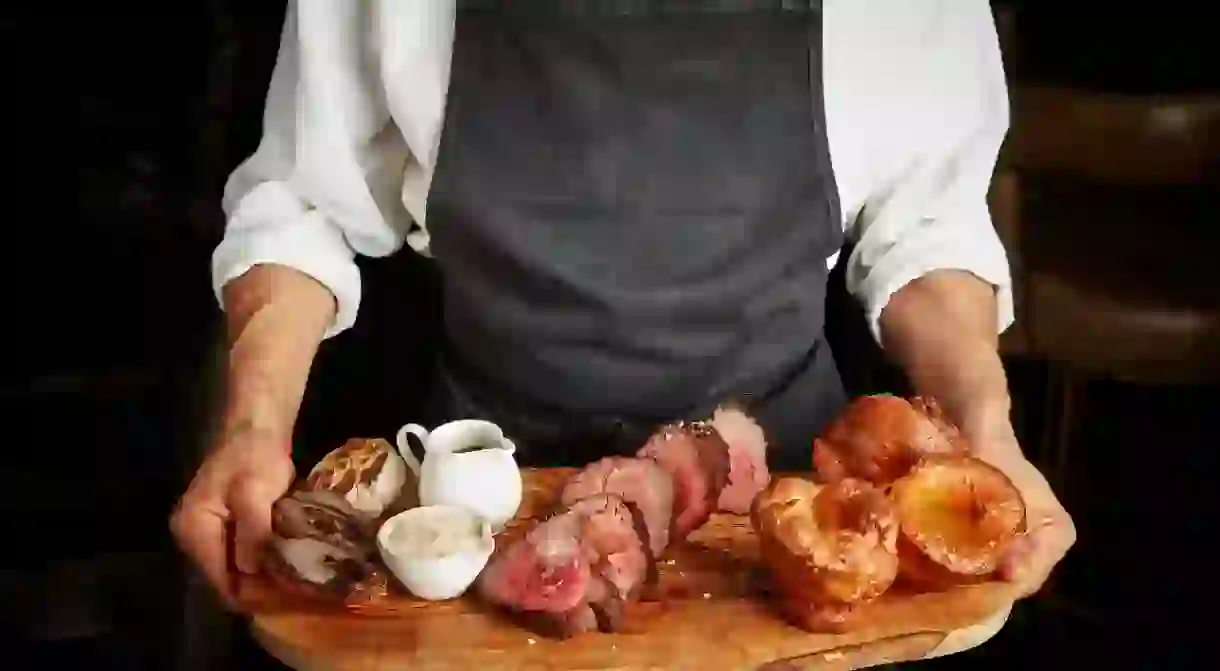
[{"x": 634, "y": 206}]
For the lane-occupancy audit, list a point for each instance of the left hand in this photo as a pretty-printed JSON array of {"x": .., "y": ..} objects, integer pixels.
[{"x": 1050, "y": 532}]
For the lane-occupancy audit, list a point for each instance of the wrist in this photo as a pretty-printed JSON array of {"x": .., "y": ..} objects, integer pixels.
[
  {"x": 986, "y": 418},
  {"x": 991, "y": 435},
  {"x": 998, "y": 449},
  {"x": 249, "y": 434},
  {"x": 276, "y": 320},
  {"x": 252, "y": 412}
]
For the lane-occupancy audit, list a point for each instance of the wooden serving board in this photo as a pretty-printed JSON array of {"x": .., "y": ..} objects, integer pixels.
[{"x": 715, "y": 615}]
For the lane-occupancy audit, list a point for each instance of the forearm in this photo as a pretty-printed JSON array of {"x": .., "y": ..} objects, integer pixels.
[
  {"x": 276, "y": 318},
  {"x": 941, "y": 330}
]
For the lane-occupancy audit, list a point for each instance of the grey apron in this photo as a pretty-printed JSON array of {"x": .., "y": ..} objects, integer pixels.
[{"x": 632, "y": 214}]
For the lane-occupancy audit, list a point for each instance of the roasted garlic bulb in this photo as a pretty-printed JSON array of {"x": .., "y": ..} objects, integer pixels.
[{"x": 369, "y": 474}]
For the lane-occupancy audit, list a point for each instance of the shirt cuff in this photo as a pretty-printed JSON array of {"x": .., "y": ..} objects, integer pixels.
[
  {"x": 263, "y": 230},
  {"x": 917, "y": 255}
]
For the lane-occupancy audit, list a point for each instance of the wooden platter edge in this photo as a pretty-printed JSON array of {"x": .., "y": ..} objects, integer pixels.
[{"x": 274, "y": 632}]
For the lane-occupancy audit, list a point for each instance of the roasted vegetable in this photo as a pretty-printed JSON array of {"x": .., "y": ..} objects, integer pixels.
[{"x": 369, "y": 475}]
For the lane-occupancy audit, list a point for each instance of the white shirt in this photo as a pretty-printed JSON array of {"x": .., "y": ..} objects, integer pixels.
[{"x": 916, "y": 111}]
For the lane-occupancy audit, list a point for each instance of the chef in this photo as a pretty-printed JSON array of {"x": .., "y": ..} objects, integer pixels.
[{"x": 634, "y": 206}]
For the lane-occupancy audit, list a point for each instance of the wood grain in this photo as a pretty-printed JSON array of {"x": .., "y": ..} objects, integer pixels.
[{"x": 715, "y": 615}]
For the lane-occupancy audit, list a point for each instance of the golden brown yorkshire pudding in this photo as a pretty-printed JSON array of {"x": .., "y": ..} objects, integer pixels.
[
  {"x": 829, "y": 548},
  {"x": 957, "y": 515},
  {"x": 880, "y": 438}
]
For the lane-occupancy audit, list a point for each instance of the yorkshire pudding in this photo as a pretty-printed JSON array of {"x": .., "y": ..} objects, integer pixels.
[
  {"x": 829, "y": 548},
  {"x": 958, "y": 515},
  {"x": 880, "y": 438}
]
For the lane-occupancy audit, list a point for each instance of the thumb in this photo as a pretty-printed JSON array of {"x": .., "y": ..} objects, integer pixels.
[{"x": 250, "y": 503}]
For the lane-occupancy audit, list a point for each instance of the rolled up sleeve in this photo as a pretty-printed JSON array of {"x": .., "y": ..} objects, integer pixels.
[
  {"x": 926, "y": 206},
  {"x": 270, "y": 226},
  {"x": 325, "y": 181}
]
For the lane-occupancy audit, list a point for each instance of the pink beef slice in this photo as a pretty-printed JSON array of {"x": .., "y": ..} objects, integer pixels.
[
  {"x": 616, "y": 545},
  {"x": 544, "y": 577},
  {"x": 748, "y": 474},
  {"x": 640, "y": 482},
  {"x": 697, "y": 460},
  {"x": 572, "y": 573}
]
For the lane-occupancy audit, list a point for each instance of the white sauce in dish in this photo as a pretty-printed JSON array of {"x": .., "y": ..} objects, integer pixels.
[
  {"x": 436, "y": 552},
  {"x": 435, "y": 533}
]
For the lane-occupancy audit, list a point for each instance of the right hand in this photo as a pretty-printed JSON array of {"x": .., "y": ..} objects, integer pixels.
[{"x": 229, "y": 501}]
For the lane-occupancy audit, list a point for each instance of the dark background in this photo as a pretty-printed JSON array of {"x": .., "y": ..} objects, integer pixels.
[{"x": 121, "y": 128}]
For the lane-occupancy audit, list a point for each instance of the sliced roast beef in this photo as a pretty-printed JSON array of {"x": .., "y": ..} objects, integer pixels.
[
  {"x": 322, "y": 542},
  {"x": 580, "y": 619},
  {"x": 748, "y": 474},
  {"x": 697, "y": 460},
  {"x": 640, "y": 482},
  {"x": 543, "y": 579},
  {"x": 545, "y": 571},
  {"x": 616, "y": 544},
  {"x": 572, "y": 572}
]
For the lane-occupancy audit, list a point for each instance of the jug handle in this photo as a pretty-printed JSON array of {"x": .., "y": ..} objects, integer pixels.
[{"x": 403, "y": 443}]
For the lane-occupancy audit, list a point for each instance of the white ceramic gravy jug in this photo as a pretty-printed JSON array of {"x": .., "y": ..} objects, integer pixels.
[{"x": 466, "y": 463}]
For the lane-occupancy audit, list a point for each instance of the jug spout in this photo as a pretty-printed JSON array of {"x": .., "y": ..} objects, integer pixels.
[{"x": 504, "y": 447}]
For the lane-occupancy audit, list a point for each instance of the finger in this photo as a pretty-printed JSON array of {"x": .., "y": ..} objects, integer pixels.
[
  {"x": 251, "y": 502},
  {"x": 1032, "y": 560},
  {"x": 200, "y": 532},
  {"x": 1017, "y": 558},
  {"x": 1035, "y": 572},
  {"x": 1050, "y": 549}
]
